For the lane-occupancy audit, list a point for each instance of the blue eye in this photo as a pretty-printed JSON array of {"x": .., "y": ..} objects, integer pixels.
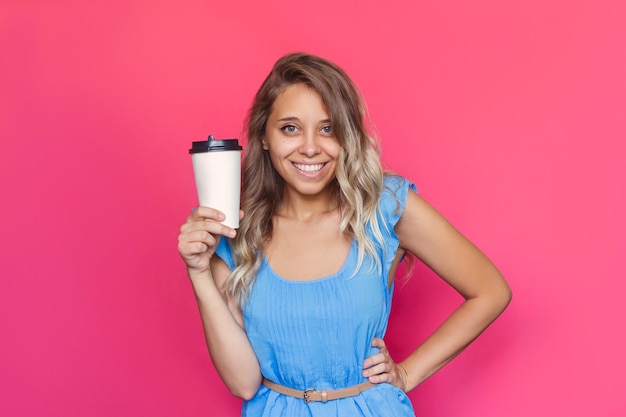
[
  {"x": 327, "y": 129},
  {"x": 289, "y": 129}
]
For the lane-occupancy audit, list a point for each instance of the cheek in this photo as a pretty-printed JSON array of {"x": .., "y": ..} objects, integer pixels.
[
  {"x": 278, "y": 158},
  {"x": 334, "y": 149},
  {"x": 282, "y": 148}
]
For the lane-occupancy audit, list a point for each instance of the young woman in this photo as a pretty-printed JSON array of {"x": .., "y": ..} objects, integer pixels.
[{"x": 295, "y": 303}]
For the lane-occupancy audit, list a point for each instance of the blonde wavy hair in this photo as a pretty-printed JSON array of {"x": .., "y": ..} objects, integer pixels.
[{"x": 359, "y": 176}]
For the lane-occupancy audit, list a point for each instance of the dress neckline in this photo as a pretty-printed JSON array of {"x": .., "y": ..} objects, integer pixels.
[{"x": 314, "y": 280}]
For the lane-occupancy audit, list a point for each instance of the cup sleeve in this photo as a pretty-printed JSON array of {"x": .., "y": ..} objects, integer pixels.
[
  {"x": 393, "y": 199},
  {"x": 392, "y": 204},
  {"x": 225, "y": 253}
]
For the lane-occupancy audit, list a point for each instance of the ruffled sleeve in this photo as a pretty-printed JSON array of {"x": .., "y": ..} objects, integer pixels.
[
  {"x": 393, "y": 199},
  {"x": 392, "y": 203},
  {"x": 223, "y": 251}
]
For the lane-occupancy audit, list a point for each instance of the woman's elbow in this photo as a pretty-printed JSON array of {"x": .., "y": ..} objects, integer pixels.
[
  {"x": 244, "y": 392},
  {"x": 503, "y": 295}
]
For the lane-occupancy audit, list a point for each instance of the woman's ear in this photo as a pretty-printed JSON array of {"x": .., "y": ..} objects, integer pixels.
[{"x": 264, "y": 143}]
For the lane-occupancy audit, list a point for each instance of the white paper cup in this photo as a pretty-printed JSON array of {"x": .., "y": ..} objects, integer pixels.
[{"x": 217, "y": 171}]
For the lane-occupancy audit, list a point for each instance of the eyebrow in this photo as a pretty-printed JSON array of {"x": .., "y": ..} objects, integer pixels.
[{"x": 295, "y": 119}]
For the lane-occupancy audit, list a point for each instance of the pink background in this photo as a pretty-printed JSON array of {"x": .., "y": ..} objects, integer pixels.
[{"x": 509, "y": 116}]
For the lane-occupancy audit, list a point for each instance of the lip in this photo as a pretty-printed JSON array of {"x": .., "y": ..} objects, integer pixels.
[{"x": 309, "y": 170}]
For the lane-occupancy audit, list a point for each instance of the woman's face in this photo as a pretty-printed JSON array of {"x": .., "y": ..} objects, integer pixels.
[{"x": 301, "y": 142}]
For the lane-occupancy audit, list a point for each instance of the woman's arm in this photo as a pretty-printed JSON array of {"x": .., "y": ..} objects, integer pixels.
[
  {"x": 228, "y": 344},
  {"x": 430, "y": 237}
]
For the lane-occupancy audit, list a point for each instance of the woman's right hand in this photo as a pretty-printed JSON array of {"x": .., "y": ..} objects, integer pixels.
[{"x": 199, "y": 237}]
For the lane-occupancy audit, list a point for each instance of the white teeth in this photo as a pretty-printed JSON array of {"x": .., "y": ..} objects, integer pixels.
[{"x": 309, "y": 168}]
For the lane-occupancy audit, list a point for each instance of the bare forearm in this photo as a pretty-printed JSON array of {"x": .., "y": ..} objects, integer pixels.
[
  {"x": 453, "y": 336},
  {"x": 228, "y": 345}
]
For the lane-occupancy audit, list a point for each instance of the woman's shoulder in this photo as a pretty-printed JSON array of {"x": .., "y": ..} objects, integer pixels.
[
  {"x": 397, "y": 187},
  {"x": 394, "y": 196}
]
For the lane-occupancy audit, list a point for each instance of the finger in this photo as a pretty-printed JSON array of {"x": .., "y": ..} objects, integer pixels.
[
  {"x": 198, "y": 235},
  {"x": 210, "y": 226},
  {"x": 196, "y": 242},
  {"x": 374, "y": 360},
  {"x": 201, "y": 236},
  {"x": 207, "y": 213},
  {"x": 380, "y": 378},
  {"x": 377, "y": 369},
  {"x": 191, "y": 249},
  {"x": 379, "y": 343}
]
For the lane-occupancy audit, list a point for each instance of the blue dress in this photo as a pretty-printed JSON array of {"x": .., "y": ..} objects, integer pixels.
[{"x": 316, "y": 334}]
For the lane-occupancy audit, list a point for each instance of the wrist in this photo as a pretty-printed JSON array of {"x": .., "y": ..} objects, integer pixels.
[
  {"x": 199, "y": 275},
  {"x": 404, "y": 377}
]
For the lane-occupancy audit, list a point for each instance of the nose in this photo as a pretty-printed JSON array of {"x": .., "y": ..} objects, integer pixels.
[{"x": 310, "y": 145}]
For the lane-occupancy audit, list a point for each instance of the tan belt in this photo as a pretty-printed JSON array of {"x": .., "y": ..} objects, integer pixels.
[{"x": 323, "y": 395}]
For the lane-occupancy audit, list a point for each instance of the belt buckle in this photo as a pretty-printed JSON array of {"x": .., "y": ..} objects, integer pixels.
[{"x": 306, "y": 396}]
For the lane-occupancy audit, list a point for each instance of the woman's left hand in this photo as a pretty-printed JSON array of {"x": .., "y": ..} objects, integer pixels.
[{"x": 381, "y": 368}]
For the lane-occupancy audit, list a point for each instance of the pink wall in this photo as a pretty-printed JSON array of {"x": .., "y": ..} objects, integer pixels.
[{"x": 508, "y": 115}]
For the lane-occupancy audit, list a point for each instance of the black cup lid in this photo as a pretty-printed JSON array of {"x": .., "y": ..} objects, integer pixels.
[{"x": 212, "y": 145}]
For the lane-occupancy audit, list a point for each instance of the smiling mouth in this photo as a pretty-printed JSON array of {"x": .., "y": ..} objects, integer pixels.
[{"x": 309, "y": 168}]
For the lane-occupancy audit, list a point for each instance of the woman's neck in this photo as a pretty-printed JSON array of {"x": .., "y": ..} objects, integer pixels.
[{"x": 306, "y": 208}]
